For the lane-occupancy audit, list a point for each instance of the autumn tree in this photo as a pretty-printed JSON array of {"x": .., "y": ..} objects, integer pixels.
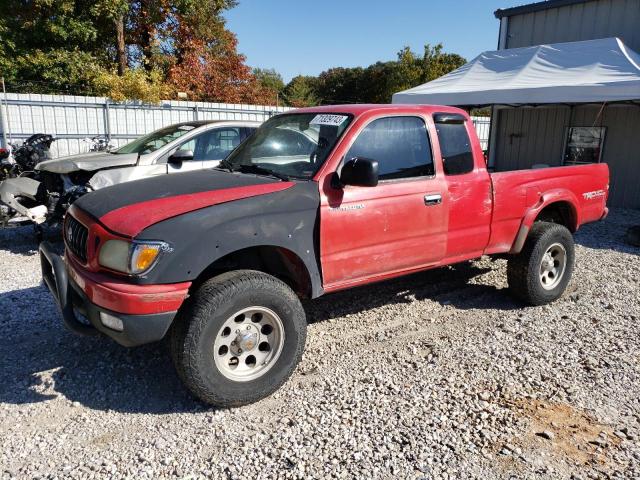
[
  {"x": 217, "y": 72},
  {"x": 196, "y": 50},
  {"x": 133, "y": 49}
]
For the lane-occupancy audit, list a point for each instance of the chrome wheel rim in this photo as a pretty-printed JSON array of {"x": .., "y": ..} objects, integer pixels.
[
  {"x": 248, "y": 344},
  {"x": 553, "y": 266}
]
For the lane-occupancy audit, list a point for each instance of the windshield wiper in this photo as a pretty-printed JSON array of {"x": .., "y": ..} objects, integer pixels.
[{"x": 261, "y": 171}]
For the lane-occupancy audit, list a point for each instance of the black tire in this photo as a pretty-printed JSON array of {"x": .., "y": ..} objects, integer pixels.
[
  {"x": 196, "y": 328},
  {"x": 523, "y": 269}
]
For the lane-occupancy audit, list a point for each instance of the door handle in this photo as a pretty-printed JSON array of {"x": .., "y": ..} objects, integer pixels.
[{"x": 432, "y": 199}]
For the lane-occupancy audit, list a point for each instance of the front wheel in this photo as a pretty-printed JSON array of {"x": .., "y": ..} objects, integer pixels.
[
  {"x": 540, "y": 273},
  {"x": 239, "y": 339}
]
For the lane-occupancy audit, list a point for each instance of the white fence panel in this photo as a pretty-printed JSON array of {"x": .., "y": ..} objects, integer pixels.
[
  {"x": 73, "y": 120},
  {"x": 483, "y": 126}
]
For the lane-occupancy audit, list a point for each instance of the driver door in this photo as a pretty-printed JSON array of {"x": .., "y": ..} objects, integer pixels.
[{"x": 397, "y": 226}]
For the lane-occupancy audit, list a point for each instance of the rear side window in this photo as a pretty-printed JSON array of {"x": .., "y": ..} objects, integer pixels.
[
  {"x": 400, "y": 145},
  {"x": 455, "y": 148}
]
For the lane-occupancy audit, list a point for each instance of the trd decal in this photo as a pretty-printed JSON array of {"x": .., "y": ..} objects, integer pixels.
[{"x": 594, "y": 194}]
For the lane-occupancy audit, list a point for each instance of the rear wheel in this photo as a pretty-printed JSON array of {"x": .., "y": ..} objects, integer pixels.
[
  {"x": 239, "y": 339},
  {"x": 540, "y": 273}
]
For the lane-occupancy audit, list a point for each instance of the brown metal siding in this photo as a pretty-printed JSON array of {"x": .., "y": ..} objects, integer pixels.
[
  {"x": 622, "y": 153},
  {"x": 526, "y": 136},
  {"x": 582, "y": 21}
]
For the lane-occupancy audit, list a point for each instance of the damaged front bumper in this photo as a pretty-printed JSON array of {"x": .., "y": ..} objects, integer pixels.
[
  {"x": 128, "y": 329},
  {"x": 13, "y": 212}
]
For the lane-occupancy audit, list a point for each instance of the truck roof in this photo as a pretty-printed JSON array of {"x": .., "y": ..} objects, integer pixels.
[{"x": 359, "y": 109}]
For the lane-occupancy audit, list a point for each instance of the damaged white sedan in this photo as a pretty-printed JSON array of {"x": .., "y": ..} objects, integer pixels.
[{"x": 44, "y": 195}]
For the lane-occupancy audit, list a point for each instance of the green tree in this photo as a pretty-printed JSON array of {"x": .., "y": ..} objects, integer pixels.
[
  {"x": 375, "y": 83},
  {"x": 134, "y": 83},
  {"x": 341, "y": 85},
  {"x": 435, "y": 63},
  {"x": 301, "y": 91},
  {"x": 382, "y": 80},
  {"x": 72, "y": 72},
  {"x": 115, "y": 13},
  {"x": 7, "y": 49},
  {"x": 47, "y": 44}
]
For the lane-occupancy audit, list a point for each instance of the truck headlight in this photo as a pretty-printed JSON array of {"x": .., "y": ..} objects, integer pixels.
[
  {"x": 134, "y": 258},
  {"x": 114, "y": 254}
]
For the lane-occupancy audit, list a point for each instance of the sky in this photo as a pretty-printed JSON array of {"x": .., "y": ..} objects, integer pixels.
[{"x": 305, "y": 37}]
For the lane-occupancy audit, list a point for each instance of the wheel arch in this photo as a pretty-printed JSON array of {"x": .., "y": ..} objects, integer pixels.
[
  {"x": 556, "y": 206},
  {"x": 562, "y": 212},
  {"x": 275, "y": 260}
]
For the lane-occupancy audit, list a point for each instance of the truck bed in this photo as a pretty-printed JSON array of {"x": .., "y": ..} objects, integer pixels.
[{"x": 518, "y": 196}]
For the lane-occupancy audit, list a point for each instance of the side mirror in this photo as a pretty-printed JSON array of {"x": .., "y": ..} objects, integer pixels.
[
  {"x": 180, "y": 156},
  {"x": 361, "y": 172}
]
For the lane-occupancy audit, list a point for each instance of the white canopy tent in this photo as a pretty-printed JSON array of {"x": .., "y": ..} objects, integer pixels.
[{"x": 602, "y": 70}]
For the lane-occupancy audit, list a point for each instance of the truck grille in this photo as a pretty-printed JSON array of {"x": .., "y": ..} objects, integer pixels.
[{"x": 75, "y": 237}]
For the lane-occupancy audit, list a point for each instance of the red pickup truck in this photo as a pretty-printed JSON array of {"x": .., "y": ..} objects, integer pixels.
[{"x": 318, "y": 200}]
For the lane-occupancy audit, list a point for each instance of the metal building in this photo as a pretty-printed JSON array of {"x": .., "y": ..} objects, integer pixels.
[{"x": 562, "y": 134}]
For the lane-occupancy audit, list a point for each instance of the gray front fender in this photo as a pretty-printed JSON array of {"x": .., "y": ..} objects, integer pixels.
[{"x": 287, "y": 220}]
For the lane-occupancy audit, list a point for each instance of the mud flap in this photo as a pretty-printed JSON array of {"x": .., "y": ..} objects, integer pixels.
[{"x": 13, "y": 188}]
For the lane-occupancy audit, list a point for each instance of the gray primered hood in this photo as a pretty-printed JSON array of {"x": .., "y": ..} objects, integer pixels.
[{"x": 88, "y": 162}]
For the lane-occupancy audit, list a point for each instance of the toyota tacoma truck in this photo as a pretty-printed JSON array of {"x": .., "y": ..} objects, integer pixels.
[{"x": 317, "y": 200}]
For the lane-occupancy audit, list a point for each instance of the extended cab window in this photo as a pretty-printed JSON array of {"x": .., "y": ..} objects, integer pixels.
[
  {"x": 400, "y": 145},
  {"x": 455, "y": 148}
]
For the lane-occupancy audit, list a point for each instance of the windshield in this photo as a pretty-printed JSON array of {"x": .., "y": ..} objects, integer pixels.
[
  {"x": 290, "y": 145},
  {"x": 154, "y": 140}
]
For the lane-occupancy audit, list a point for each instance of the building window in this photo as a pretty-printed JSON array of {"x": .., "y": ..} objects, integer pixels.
[{"x": 584, "y": 145}]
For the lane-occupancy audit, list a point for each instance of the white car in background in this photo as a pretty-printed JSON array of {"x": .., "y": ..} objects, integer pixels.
[{"x": 48, "y": 192}]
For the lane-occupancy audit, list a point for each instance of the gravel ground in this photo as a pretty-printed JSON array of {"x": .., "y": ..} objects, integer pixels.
[{"x": 437, "y": 375}]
